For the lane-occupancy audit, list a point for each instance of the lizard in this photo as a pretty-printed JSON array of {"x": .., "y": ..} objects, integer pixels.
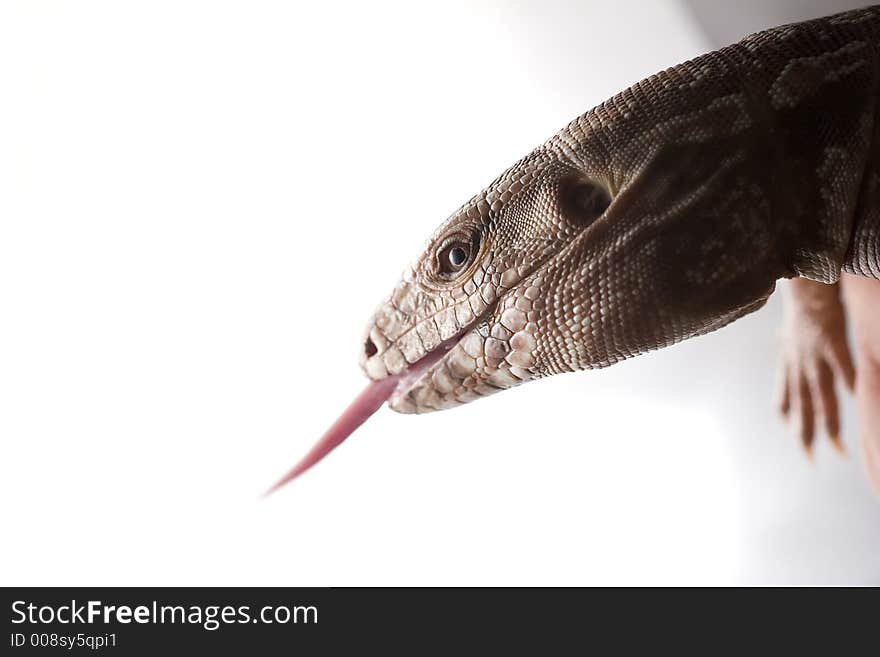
[{"x": 664, "y": 213}]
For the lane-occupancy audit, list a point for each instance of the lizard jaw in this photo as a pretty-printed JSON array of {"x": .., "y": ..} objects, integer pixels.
[
  {"x": 482, "y": 359},
  {"x": 412, "y": 375}
]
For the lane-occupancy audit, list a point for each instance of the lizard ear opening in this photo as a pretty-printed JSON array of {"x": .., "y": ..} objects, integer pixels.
[{"x": 583, "y": 201}]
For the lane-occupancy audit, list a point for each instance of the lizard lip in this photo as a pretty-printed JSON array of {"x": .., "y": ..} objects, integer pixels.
[
  {"x": 415, "y": 372},
  {"x": 412, "y": 374}
]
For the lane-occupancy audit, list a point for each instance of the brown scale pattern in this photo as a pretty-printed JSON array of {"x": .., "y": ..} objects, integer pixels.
[{"x": 752, "y": 163}]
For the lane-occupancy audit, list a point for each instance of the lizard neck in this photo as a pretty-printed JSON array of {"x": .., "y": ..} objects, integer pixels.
[
  {"x": 792, "y": 112},
  {"x": 813, "y": 90},
  {"x": 820, "y": 119}
]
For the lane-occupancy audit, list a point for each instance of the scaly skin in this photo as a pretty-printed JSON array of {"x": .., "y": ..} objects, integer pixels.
[{"x": 666, "y": 212}]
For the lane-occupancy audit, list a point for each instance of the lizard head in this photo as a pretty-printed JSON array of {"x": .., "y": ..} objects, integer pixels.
[
  {"x": 469, "y": 317},
  {"x": 573, "y": 261},
  {"x": 466, "y": 318}
]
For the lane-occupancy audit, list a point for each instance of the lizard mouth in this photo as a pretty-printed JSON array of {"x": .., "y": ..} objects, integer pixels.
[{"x": 413, "y": 374}]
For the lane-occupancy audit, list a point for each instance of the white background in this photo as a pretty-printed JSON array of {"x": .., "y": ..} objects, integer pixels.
[{"x": 200, "y": 205}]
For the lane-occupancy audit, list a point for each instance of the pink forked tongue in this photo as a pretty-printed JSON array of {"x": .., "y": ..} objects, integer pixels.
[{"x": 364, "y": 405}]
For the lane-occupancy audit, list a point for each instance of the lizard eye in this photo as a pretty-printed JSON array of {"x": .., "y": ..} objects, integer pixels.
[
  {"x": 454, "y": 256},
  {"x": 457, "y": 256}
]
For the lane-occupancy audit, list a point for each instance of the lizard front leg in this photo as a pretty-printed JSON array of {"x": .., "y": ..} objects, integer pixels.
[{"x": 815, "y": 353}]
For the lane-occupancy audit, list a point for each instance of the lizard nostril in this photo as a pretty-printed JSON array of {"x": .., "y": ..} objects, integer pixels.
[{"x": 370, "y": 347}]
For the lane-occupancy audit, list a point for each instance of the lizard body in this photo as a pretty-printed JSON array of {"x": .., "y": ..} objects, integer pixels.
[{"x": 664, "y": 213}]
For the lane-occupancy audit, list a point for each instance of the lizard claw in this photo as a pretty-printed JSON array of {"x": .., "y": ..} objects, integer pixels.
[{"x": 837, "y": 444}]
